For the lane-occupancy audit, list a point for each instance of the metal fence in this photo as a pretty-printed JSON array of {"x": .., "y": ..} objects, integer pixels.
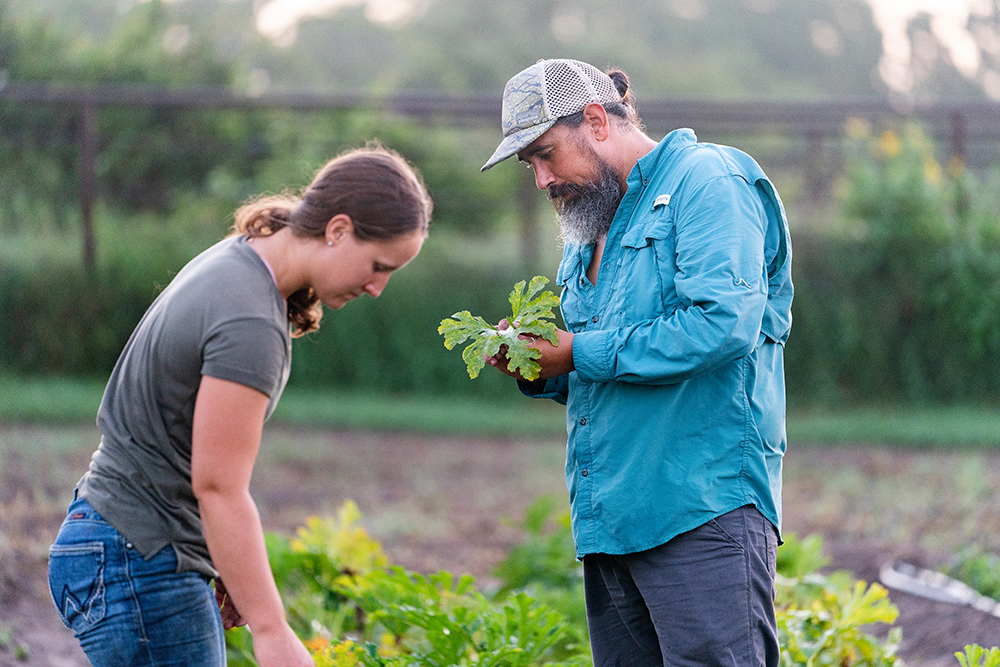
[{"x": 970, "y": 129}]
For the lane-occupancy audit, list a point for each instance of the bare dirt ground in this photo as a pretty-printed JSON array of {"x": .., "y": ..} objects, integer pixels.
[{"x": 446, "y": 503}]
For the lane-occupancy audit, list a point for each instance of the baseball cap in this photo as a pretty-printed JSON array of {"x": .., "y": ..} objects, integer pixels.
[{"x": 535, "y": 98}]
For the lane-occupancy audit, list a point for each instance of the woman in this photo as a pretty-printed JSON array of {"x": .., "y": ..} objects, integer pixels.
[{"x": 164, "y": 508}]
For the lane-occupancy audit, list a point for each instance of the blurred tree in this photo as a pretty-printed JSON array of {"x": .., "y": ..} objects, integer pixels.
[
  {"x": 36, "y": 145},
  {"x": 694, "y": 47},
  {"x": 149, "y": 156},
  {"x": 146, "y": 157}
]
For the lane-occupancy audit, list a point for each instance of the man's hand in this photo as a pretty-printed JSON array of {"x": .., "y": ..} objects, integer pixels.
[
  {"x": 556, "y": 360},
  {"x": 230, "y": 615}
]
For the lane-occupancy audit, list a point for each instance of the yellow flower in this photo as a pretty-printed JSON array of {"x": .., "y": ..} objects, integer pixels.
[
  {"x": 932, "y": 171},
  {"x": 345, "y": 655},
  {"x": 889, "y": 144}
]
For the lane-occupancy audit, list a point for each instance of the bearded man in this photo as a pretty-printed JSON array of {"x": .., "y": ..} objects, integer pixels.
[{"x": 676, "y": 297}]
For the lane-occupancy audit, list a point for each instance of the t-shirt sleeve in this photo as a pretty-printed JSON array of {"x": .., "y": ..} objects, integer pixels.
[{"x": 248, "y": 351}]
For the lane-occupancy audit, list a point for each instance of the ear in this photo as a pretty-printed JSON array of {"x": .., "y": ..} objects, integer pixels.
[
  {"x": 339, "y": 228},
  {"x": 595, "y": 119}
]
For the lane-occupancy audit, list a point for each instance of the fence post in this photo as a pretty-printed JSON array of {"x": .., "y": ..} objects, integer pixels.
[{"x": 87, "y": 180}]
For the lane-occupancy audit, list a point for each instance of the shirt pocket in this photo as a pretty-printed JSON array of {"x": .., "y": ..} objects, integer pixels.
[
  {"x": 571, "y": 305},
  {"x": 649, "y": 266}
]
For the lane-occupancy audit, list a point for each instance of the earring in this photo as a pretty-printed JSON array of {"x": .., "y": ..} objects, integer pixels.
[{"x": 329, "y": 242}]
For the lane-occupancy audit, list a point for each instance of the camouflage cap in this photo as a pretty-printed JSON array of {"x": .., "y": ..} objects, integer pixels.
[{"x": 536, "y": 97}]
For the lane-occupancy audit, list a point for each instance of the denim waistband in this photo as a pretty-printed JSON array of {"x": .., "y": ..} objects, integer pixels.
[{"x": 80, "y": 509}]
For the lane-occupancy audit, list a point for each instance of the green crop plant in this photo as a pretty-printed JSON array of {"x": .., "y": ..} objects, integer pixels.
[
  {"x": 530, "y": 318},
  {"x": 354, "y": 608},
  {"x": 977, "y": 656}
]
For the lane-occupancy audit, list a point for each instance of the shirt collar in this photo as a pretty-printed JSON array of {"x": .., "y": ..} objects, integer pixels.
[{"x": 649, "y": 163}]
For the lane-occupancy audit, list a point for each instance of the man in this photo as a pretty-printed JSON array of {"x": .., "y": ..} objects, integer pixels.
[{"x": 676, "y": 293}]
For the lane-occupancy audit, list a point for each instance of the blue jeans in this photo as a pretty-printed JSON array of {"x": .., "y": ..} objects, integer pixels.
[
  {"x": 704, "y": 598},
  {"x": 128, "y": 611}
]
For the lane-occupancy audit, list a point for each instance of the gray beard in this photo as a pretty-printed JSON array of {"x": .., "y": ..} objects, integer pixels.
[{"x": 586, "y": 216}]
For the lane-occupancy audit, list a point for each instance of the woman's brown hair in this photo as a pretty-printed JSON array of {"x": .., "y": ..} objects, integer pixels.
[{"x": 383, "y": 195}]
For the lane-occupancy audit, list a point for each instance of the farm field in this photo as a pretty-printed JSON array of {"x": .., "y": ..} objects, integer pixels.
[{"x": 449, "y": 503}]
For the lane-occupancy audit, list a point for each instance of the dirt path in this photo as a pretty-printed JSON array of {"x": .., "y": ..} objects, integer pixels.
[{"x": 443, "y": 504}]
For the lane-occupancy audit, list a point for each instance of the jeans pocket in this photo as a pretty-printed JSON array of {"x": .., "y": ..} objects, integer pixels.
[{"x": 76, "y": 583}]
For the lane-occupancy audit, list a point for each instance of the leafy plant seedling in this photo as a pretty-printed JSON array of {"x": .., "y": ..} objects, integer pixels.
[{"x": 532, "y": 312}]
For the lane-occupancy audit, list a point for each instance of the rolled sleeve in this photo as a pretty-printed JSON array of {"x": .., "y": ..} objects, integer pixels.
[{"x": 593, "y": 355}]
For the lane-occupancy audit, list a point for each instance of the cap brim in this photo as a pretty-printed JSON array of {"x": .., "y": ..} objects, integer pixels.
[{"x": 516, "y": 142}]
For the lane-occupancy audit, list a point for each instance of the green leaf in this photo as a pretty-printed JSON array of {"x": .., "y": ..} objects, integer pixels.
[
  {"x": 977, "y": 656},
  {"x": 531, "y": 312}
]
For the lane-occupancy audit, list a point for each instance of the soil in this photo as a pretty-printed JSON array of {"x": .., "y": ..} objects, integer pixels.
[{"x": 447, "y": 503}]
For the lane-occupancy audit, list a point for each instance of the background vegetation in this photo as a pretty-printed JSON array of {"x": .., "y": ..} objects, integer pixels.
[
  {"x": 896, "y": 262},
  {"x": 896, "y": 265}
]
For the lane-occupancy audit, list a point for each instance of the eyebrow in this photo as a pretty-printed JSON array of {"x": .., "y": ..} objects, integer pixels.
[{"x": 530, "y": 151}]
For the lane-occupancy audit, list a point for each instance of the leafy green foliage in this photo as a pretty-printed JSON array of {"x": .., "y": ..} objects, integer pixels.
[
  {"x": 977, "y": 656},
  {"x": 148, "y": 158},
  {"x": 900, "y": 301},
  {"x": 979, "y": 568},
  {"x": 822, "y": 618},
  {"x": 821, "y": 621},
  {"x": 9, "y": 642},
  {"x": 800, "y": 557},
  {"x": 354, "y": 608},
  {"x": 544, "y": 563},
  {"x": 443, "y": 620},
  {"x": 531, "y": 312}
]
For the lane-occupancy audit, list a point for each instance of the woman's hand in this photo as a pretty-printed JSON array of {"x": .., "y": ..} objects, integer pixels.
[
  {"x": 227, "y": 609},
  {"x": 280, "y": 647}
]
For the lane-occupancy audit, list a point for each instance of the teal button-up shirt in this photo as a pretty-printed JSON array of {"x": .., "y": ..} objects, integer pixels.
[{"x": 676, "y": 409}]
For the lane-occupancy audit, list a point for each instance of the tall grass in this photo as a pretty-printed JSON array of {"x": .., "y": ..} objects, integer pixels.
[{"x": 60, "y": 400}]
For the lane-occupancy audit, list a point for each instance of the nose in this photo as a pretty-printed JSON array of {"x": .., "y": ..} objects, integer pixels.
[
  {"x": 378, "y": 283},
  {"x": 543, "y": 176}
]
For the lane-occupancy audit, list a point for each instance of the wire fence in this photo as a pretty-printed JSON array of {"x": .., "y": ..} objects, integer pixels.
[{"x": 968, "y": 130}]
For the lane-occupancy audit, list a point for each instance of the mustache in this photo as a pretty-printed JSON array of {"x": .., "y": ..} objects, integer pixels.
[{"x": 560, "y": 191}]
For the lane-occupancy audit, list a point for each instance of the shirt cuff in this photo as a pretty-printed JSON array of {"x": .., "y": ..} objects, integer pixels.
[
  {"x": 592, "y": 356},
  {"x": 542, "y": 389}
]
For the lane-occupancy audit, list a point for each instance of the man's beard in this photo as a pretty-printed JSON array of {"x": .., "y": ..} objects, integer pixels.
[{"x": 585, "y": 210}]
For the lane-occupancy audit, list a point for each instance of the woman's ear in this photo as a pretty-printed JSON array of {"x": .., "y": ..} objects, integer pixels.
[{"x": 339, "y": 228}]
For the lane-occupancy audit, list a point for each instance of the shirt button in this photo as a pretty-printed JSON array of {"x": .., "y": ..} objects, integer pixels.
[
  {"x": 583, "y": 421},
  {"x": 594, "y": 319},
  {"x": 128, "y": 545},
  {"x": 584, "y": 472}
]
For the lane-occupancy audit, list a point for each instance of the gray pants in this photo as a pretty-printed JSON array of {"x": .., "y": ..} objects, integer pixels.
[{"x": 705, "y": 597}]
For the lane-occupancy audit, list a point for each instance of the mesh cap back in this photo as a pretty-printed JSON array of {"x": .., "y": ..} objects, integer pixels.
[
  {"x": 571, "y": 85},
  {"x": 536, "y": 97}
]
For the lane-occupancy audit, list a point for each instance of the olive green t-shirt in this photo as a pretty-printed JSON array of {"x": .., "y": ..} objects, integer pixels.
[{"x": 221, "y": 316}]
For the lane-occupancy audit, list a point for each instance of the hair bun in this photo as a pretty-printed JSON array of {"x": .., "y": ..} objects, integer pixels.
[{"x": 620, "y": 79}]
